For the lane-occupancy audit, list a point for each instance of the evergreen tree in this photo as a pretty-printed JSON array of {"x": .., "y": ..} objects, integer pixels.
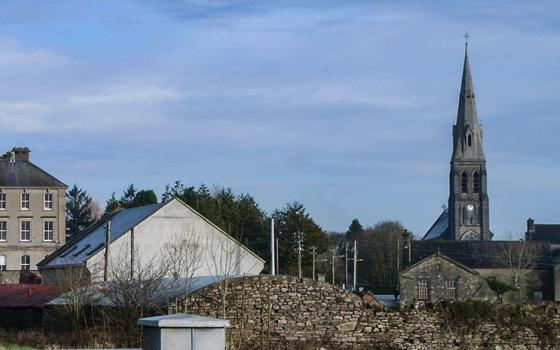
[
  {"x": 354, "y": 229},
  {"x": 127, "y": 199},
  {"x": 78, "y": 211},
  {"x": 144, "y": 197},
  {"x": 290, "y": 223},
  {"x": 111, "y": 204}
]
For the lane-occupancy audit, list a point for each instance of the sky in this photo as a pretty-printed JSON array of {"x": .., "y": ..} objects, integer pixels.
[{"x": 344, "y": 106}]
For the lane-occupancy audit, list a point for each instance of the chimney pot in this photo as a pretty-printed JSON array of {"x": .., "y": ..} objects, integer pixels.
[{"x": 22, "y": 153}]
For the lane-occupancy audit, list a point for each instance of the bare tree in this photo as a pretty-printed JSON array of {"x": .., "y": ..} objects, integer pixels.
[
  {"x": 518, "y": 256},
  {"x": 182, "y": 256},
  {"x": 224, "y": 257}
]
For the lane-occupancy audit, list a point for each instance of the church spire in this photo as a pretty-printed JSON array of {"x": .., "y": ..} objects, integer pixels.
[{"x": 467, "y": 115}]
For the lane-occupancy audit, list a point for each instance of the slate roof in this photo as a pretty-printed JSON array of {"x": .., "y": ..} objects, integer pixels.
[
  {"x": 23, "y": 173},
  {"x": 476, "y": 254},
  {"x": 546, "y": 232},
  {"x": 439, "y": 228},
  {"x": 92, "y": 239}
]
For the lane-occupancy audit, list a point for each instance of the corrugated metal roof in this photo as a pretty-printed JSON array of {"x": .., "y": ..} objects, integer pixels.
[
  {"x": 169, "y": 289},
  {"x": 438, "y": 228},
  {"x": 79, "y": 250},
  {"x": 23, "y": 173},
  {"x": 27, "y": 295}
]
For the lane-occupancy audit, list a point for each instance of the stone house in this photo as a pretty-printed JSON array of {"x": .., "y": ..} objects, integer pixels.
[
  {"x": 32, "y": 214},
  {"x": 439, "y": 277},
  {"x": 141, "y": 237},
  {"x": 526, "y": 265}
]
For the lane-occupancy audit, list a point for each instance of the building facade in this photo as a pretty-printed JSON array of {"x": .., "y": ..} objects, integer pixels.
[
  {"x": 32, "y": 214},
  {"x": 439, "y": 277},
  {"x": 170, "y": 236},
  {"x": 467, "y": 214}
]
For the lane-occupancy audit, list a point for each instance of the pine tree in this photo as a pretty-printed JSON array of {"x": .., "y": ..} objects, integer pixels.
[
  {"x": 127, "y": 199},
  {"x": 111, "y": 204},
  {"x": 78, "y": 211},
  {"x": 354, "y": 230}
]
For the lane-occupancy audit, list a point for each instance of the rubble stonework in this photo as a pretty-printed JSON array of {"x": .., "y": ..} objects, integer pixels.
[{"x": 281, "y": 312}]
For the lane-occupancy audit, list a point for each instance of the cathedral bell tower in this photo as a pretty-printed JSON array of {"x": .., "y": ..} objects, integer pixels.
[{"x": 468, "y": 198}]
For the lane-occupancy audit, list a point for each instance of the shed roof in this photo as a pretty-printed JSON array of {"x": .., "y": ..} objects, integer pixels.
[
  {"x": 27, "y": 295},
  {"x": 23, "y": 173}
]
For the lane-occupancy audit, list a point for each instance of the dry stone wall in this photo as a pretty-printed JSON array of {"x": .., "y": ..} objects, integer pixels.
[{"x": 284, "y": 312}]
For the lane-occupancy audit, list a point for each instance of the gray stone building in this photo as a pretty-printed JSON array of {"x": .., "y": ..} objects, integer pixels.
[
  {"x": 467, "y": 216},
  {"x": 438, "y": 277},
  {"x": 32, "y": 214}
]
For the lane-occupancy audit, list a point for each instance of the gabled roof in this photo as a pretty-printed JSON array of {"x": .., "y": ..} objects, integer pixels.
[
  {"x": 439, "y": 228},
  {"x": 478, "y": 254},
  {"x": 92, "y": 240},
  {"x": 23, "y": 173},
  {"x": 439, "y": 255}
]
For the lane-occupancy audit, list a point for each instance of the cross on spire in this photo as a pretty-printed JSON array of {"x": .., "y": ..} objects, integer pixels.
[{"x": 466, "y": 36}]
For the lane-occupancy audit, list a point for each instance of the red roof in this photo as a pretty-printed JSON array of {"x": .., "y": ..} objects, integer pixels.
[{"x": 27, "y": 295}]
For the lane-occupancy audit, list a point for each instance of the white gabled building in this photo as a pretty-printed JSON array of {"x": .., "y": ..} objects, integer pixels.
[{"x": 149, "y": 236}]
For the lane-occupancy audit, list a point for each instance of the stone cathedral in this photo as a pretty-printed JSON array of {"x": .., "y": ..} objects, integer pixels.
[{"x": 466, "y": 217}]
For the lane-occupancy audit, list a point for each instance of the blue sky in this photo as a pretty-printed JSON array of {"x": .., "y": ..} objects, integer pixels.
[{"x": 346, "y": 106}]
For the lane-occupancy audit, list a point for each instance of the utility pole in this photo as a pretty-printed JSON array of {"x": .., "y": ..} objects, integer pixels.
[
  {"x": 299, "y": 239},
  {"x": 272, "y": 249},
  {"x": 346, "y": 265},
  {"x": 314, "y": 250},
  {"x": 355, "y": 265},
  {"x": 333, "y": 257},
  {"x": 398, "y": 262},
  {"x": 107, "y": 243}
]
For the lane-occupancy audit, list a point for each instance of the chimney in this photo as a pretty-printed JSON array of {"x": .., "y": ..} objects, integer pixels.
[
  {"x": 22, "y": 153},
  {"x": 530, "y": 234}
]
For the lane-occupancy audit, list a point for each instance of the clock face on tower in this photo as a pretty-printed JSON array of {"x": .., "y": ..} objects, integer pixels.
[
  {"x": 470, "y": 207},
  {"x": 470, "y": 236}
]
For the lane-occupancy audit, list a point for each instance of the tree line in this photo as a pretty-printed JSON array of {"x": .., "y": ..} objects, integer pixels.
[{"x": 240, "y": 215}]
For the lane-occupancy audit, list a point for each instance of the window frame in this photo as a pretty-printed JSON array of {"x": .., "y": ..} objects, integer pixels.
[
  {"x": 451, "y": 290},
  {"x": 3, "y": 267},
  {"x": 22, "y": 200},
  {"x": 25, "y": 265},
  {"x": 423, "y": 290},
  {"x": 46, "y": 231},
  {"x": 22, "y": 230},
  {"x": 464, "y": 183},
  {"x": 45, "y": 201},
  {"x": 3, "y": 200},
  {"x": 3, "y": 231}
]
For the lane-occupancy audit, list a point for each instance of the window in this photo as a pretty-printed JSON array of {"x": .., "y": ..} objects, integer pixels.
[
  {"x": 25, "y": 262},
  {"x": 2, "y": 201},
  {"x": 3, "y": 230},
  {"x": 25, "y": 230},
  {"x": 451, "y": 290},
  {"x": 24, "y": 201},
  {"x": 463, "y": 183},
  {"x": 3, "y": 263},
  {"x": 48, "y": 230},
  {"x": 48, "y": 201},
  {"x": 476, "y": 184},
  {"x": 469, "y": 141},
  {"x": 423, "y": 289}
]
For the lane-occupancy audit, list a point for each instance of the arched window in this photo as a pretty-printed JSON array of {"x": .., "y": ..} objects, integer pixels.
[
  {"x": 469, "y": 142},
  {"x": 26, "y": 262},
  {"x": 476, "y": 182},
  {"x": 463, "y": 183}
]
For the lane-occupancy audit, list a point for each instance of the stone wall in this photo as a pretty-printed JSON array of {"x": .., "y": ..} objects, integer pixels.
[{"x": 285, "y": 312}]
